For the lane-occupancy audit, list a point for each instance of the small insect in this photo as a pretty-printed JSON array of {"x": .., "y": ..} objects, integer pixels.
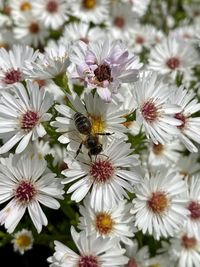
[{"x": 84, "y": 126}]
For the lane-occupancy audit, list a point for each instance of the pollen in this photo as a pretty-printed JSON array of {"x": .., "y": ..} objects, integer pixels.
[
  {"x": 25, "y": 192},
  {"x": 25, "y": 6},
  {"x": 29, "y": 120},
  {"x": 98, "y": 124},
  {"x": 182, "y": 118},
  {"x": 173, "y": 63},
  {"x": 88, "y": 261},
  {"x": 23, "y": 241},
  {"x": 104, "y": 223},
  {"x": 158, "y": 149},
  {"x": 158, "y": 202},
  {"x": 189, "y": 242},
  {"x": 101, "y": 171},
  {"x": 194, "y": 208},
  {"x": 149, "y": 111},
  {"x": 89, "y": 4},
  {"x": 12, "y": 76},
  {"x": 52, "y": 6}
]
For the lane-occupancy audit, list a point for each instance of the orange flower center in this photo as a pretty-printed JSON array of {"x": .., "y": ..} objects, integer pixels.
[
  {"x": 104, "y": 223},
  {"x": 158, "y": 202},
  {"x": 158, "y": 149},
  {"x": 25, "y": 6},
  {"x": 189, "y": 242},
  {"x": 89, "y": 4}
]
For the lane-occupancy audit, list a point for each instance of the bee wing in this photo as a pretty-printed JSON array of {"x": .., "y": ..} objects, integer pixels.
[{"x": 75, "y": 139}]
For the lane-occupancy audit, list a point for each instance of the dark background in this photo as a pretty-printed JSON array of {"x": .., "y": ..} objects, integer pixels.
[{"x": 35, "y": 257}]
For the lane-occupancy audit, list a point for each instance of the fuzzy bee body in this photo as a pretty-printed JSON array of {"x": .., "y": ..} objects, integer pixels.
[
  {"x": 82, "y": 123},
  {"x": 84, "y": 126}
]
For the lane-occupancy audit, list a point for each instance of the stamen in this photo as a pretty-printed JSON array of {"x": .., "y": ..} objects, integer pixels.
[{"x": 158, "y": 202}]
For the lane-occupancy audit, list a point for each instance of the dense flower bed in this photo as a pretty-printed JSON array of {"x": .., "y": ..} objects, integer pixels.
[{"x": 100, "y": 131}]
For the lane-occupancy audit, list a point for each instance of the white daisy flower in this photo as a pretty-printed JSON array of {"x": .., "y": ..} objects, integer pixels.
[
  {"x": 59, "y": 154},
  {"x": 81, "y": 31},
  {"x": 49, "y": 86},
  {"x": 159, "y": 206},
  {"x": 23, "y": 241},
  {"x": 138, "y": 257},
  {"x": 41, "y": 148},
  {"x": 95, "y": 11},
  {"x": 185, "y": 250},
  {"x": 20, "y": 8},
  {"x": 126, "y": 99},
  {"x": 12, "y": 63},
  {"x": 52, "y": 13},
  {"x": 160, "y": 261},
  {"x": 188, "y": 166},
  {"x": 105, "y": 66},
  {"x": 5, "y": 21},
  {"x": 94, "y": 252},
  {"x": 154, "y": 111},
  {"x": 193, "y": 222},
  {"x": 104, "y": 119},
  {"x": 165, "y": 154},
  {"x": 26, "y": 183},
  {"x": 106, "y": 175},
  {"x": 53, "y": 62},
  {"x": 185, "y": 32},
  {"x": 6, "y": 38},
  {"x": 121, "y": 19},
  {"x": 193, "y": 10},
  {"x": 173, "y": 55},
  {"x": 30, "y": 31},
  {"x": 114, "y": 222},
  {"x": 22, "y": 114},
  {"x": 142, "y": 36},
  {"x": 190, "y": 126},
  {"x": 138, "y": 6}
]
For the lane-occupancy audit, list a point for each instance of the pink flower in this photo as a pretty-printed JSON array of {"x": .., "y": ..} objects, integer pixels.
[{"x": 104, "y": 66}]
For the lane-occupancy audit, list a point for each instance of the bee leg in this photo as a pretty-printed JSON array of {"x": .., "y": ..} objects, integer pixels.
[
  {"x": 90, "y": 156},
  {"x": 79, "y": 149},
  {"x": 104, "y": 133}
]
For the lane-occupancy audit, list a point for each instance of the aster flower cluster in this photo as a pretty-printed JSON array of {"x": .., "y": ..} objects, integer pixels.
[{"x": 100, "y": 122}]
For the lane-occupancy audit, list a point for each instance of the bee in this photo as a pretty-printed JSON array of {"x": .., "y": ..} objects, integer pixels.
[{"x": 84, "y": 126}]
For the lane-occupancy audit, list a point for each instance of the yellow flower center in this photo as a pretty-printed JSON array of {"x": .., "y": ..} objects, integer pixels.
[
  {"x": 23, "y": 241},
  {"x": 104, "y": 223},
  {"x": 40, "y": 156},
  {"x": 89, "y": 4},
  {"x": 98, "y": 124},
  {"x": 155, "y": 265},
  {"x": 25, "y": 6}
]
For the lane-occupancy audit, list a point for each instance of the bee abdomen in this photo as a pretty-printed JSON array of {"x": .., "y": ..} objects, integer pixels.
[{"x": 82, "y": 123}]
